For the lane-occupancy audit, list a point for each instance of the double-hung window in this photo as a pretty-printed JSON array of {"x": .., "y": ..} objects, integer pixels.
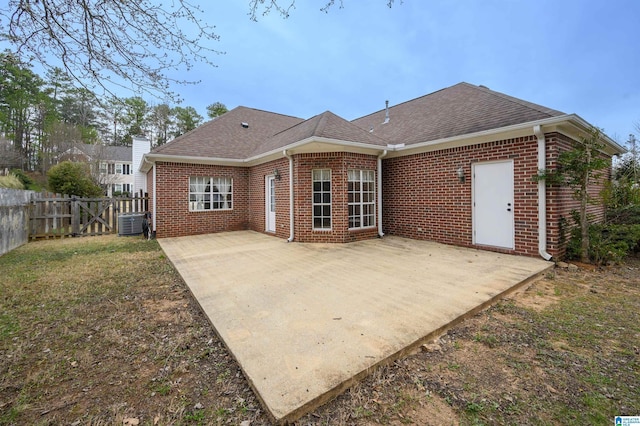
[
  {"x": 210, "y": 193},
  {"x": 321, "y": 199},
  {"x": 362, "y": 199}
]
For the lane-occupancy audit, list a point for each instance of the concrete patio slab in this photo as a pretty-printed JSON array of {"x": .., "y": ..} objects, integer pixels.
[{"x": 306, "y": 320}]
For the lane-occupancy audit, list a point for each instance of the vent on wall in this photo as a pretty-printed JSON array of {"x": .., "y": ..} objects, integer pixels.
[{"x": 130, "y": 223}]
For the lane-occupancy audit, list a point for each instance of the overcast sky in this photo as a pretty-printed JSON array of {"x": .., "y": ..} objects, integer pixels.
[{"x": 578, "y": 57}]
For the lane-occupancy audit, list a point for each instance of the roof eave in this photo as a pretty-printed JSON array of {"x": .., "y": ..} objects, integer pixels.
[
  {"x": 570, "y": 125},
  {"x": 308, "y": 145}
]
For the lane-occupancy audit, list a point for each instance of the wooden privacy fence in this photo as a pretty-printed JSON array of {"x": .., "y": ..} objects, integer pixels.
[{"x": 60, "y": 216}]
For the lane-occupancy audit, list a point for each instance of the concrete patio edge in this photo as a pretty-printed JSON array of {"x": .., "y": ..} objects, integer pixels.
[{"x": 219, "y": 299}]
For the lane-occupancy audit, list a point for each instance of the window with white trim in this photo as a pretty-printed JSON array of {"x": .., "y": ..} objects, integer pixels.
[
  {"x": 321, "y": 199},
  {"x": 126, "y": 169},
  {"x": 362, "y": 198},
  {"x": 118, "y": 168},
  {"x": 210, "y": 193}
]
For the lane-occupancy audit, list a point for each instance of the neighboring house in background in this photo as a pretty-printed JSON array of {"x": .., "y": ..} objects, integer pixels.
[
  {"x": 456, "y": 166},
  {"x": 113, "y": 165},
  {"x": 9, "y": 157}
]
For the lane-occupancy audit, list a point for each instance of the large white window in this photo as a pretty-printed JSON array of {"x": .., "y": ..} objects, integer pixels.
[
  {"x": 210, "y": 193},
  {"x": 119, "y": 168},
  {"x": 362, "y": 199},
  {"x": 322, "y": 199}
]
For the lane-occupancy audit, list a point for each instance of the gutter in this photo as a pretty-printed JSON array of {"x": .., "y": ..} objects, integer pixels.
[
  {"x": 542, "y": 194},
  {"x": 380, "y": 157},
  {"x": 291, "y": 218}
]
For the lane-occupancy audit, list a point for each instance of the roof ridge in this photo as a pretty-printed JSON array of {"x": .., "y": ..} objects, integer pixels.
[
  {"x": 269, "y": 112},
  {"x": 295, "y": 125},
  {"x": 322, "y": 122}
]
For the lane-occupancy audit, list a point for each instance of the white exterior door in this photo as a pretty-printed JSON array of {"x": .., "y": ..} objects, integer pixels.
[
  {"x": 270, "y": 205},
  {"x": 493, "y": 204}
]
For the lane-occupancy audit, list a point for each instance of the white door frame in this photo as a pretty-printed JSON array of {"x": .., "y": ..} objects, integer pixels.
[
  {"x": 511, "y": 222},
  {"x": 269, "y": 213}
]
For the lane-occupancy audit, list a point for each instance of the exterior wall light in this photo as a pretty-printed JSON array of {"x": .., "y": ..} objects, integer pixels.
[
  {"x": 276, "y": 173},
  {"x": 461, "y": 176}
]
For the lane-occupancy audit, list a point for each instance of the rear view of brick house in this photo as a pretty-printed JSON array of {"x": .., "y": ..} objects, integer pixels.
[{"x": 455, "y": 166}]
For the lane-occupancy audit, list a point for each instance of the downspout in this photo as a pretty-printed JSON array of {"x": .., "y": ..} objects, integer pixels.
[
  {"x": 153, "y": 207},
  {"x": 380, "y": 233},
  {"x": 153, "y": 178},
  {"x": 542, "y": 194},
  {"x": 291, "y": 222}
]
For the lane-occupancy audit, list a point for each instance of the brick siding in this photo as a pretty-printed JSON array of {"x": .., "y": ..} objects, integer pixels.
[
  {"x": 560, "y": 201},
  {"x": 339, "y": 163},
  {"x": 172, "y": 204},
  {"x": 257, "y": 193},
  {"x": 423, "y": 198}
]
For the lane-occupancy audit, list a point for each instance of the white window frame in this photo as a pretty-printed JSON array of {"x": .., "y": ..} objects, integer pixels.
[
  {"x": 118, "y": 168},
  {"x": 210, "y": 193},
  {"x": 361, "y": 195},
  {"x": 126, "y": 169},
  {"x": 321, "y": 199}
]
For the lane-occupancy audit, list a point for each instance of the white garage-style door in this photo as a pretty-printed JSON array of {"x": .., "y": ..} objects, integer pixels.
[{"x": 493, "y": 223}]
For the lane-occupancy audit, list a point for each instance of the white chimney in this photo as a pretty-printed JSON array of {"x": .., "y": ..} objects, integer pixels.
[{"x": 140, "y": 147}]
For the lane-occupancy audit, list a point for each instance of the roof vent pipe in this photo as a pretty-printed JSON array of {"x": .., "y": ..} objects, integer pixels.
[{"x": 386, "y": 113}]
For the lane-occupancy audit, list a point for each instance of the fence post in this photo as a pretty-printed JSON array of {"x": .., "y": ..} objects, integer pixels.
[{"x": 75, "y": 217}]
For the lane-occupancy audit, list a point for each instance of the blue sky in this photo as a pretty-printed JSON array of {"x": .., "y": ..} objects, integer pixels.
[{"x": 575, "y": 56}]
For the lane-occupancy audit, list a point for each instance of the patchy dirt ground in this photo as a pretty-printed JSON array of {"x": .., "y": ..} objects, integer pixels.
[{"x": 103, "y": 331}]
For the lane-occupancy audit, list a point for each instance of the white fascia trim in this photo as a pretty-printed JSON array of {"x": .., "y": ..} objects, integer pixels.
[
  {"x": 479, "y": 137},
  {"x": 258, "y": 159},
  {"x": 507, "y": 132},
  {"x": 356, "y": 146},
  {"x": 153, "y": 158},
  {"x": 517, "y": 130}
]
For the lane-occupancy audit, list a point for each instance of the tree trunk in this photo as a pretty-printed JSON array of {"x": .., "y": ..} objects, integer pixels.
[
  {"x": 584, "y": 227},
  {"x": 584, "y": 198}
]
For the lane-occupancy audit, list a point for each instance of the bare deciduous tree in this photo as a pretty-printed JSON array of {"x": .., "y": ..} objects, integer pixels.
[{"x": 108, "y": 43}]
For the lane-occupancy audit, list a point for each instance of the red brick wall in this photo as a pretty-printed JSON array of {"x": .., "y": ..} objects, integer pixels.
[
  {"x": 257, "y": 204},
  {"x": 172, "y": 208},
  {"x": 339, "y": 163},
  {"x": 423, "y": 198},
  {"x": 560, "y": 201}
]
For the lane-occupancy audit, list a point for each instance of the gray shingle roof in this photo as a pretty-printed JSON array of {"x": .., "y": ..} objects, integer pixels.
[
  {"x": 454, "y": 111},
  {"x": 325, "y": 125},
  {"x": 107, "y": 152},
  {"x": 225, "y": 136},
  {"x": 457, "y": 110}
]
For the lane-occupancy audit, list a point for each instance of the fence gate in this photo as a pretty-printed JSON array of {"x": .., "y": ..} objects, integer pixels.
[{"x": 58, "y": 216}]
